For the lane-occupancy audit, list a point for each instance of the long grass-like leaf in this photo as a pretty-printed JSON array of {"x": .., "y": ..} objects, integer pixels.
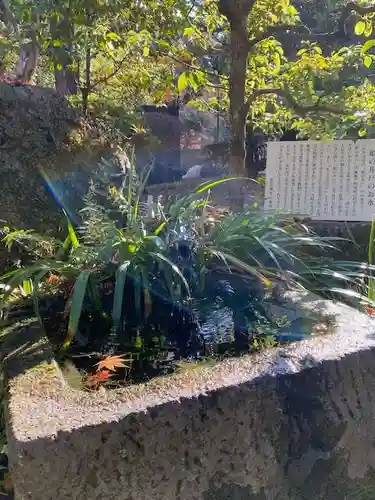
[
  {"x": 27, "y": 287},
  {"x": 119, "y": 295},
  {"x": 160, "y": 228},
  {"x": 20, "y": 277},
  {"x": 351, "y": 293},
  {"x": 138, "y": 286},
  {"x": 92, "y": 292},
  {"x": 9, "y": 274},
  {"x": 72, "y": 233},
  {"x": 241, "y": 265},
  {"x": 141, "y": 190},
  {"x": 78, "y": 297},
  {"x": 174, "y": 268},
  {"x": 211, "y": 184}
]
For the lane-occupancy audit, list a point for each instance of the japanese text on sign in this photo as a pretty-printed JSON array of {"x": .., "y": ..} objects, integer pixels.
[{"x": 322, "y": 180}]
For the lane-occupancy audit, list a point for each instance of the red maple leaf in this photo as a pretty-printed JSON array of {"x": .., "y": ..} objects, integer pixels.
[
  {"x": 112, "y": 363},
  {"x": 92, "y": 381},
  {"x": 370, "y": 310}
]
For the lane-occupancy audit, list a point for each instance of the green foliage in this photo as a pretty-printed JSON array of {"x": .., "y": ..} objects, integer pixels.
[
  {"x": 314, "y": 84},
  {"x": 129, "y": 53},
  {"x": 176, "y": 253},
  {"x": 77, "y": 300},
  {"x": 270, "y": 248}
]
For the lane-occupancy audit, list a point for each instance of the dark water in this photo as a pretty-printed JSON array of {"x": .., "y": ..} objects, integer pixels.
[{"x": 218, "y": 326}]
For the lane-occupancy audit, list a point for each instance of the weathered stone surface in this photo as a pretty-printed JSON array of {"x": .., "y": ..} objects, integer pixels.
[
  {"x": 43, "y": 137},
  {"x": 286, "y": 424}
]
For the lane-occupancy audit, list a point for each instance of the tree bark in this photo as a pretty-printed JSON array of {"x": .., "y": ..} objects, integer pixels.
[
  {"x": 28, "y": 61},
  {"x": 86, "y": 89},
  {"x": 237, "y": 111},
  {"x": 66, "y": 79},
  {"x": 237, "y": 12}
]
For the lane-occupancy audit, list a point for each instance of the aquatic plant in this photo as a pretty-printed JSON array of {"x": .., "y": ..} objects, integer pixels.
[{"x": 123, "y": 280}]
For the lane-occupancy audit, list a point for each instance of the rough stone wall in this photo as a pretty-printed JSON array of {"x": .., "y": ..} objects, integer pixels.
[
  {"x": 42, "y": 135},
  {"x": 289, "y": 424}
]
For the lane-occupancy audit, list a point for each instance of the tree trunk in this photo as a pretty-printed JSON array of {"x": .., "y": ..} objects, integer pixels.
[
  {"x": 87, "y": 87},
  {"x": 237, "y": 13},
  {"x": 28, "y": 61},
  {"x": 237, "y": 111},
  {"x": 66, "y": 78}
]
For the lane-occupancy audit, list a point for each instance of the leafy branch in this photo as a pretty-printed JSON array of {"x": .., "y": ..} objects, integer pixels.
[
  {"x": 292, "y": 103},
  {"x": 111, "y": 75},
  {"x": 280, "y": 31},
  {"x": 348, "y": 9}
]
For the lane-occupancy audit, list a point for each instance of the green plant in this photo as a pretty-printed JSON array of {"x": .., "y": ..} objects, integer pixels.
[
  {"x": 176, "y": 256},
  {"x": 270, "y": 247},
  {"x": 263, "y": 342},
  {"x": 114, "y": 243}
]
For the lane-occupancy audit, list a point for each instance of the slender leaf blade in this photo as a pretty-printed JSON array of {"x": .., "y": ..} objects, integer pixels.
[
  {"x": 119, "y": 295},
  {"x": 79, "y": 293},
  {"x": 174, "y": 268}
]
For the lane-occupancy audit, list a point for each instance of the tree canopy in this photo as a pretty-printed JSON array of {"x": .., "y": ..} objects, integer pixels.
[{"x": 273, "y": 65}]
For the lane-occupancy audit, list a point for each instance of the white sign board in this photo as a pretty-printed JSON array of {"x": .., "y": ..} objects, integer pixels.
[{"x": 322, "y": 180}]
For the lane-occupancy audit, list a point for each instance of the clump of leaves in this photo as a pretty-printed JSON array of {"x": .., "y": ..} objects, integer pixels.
[
  {"x": 175, "y": 254},
  {"x": 273, "y": 248},
  {"x": 264, "y": 342},
  {"x": 94, "y": 381}
]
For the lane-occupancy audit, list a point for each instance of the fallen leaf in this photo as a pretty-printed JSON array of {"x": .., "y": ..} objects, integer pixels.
[
  {"x": 53, "y": 279},
  {"x": 96, "y": 379},
  {"x": 112, "y": 363},
  {"x": 370, "y": 310}
]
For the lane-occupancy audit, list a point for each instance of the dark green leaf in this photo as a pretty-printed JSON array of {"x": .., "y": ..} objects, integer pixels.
[
  {"x": 78, "y": 297},
  {"x": 119, "y": 295},
  {"x": 174, "y": 268}
]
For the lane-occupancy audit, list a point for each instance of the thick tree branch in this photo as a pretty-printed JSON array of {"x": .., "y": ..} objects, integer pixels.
[
  {"x": 285, "y": 31},
  {"x": 236, "y": 11},
  {"x": 301, "y": 110},
  {"x": 353, "y": 7},
  {"x": 7, "y": 16}
]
